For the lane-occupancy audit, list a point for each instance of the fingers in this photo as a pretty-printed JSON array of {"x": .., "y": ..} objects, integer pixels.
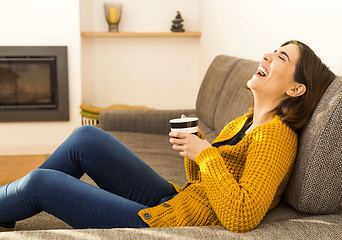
[
  {"x": 182, "y": 154},
  {"x": 179, "y": 135},
  {"x": 178, "y": 147},
  {"x": 177, "y": 141},
  {"x": 199, "y": 133},
  {"x": 181, "y": 148}
]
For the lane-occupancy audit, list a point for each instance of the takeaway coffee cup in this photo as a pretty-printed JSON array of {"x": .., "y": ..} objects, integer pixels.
[{"x": 187, "y": 125}]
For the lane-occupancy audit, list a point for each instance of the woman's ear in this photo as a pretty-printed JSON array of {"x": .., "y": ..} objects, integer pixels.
[{"x": 298, "y": 90}]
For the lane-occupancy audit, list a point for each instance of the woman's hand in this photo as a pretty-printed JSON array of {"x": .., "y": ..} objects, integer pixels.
[
  {"x": 188, "y": 145},
  {"x": 199, "y": 132}
]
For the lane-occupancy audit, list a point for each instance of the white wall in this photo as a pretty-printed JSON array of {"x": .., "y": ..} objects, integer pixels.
[
  {"x": 249, "y": 28},
  {"x": 42, "y": 23},
  {"x": 156, "y": 72},
  {"x": 149, "y": 71}
]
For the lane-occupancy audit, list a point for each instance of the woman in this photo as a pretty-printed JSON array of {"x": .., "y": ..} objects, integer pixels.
[{"x": 232, "y": 182}]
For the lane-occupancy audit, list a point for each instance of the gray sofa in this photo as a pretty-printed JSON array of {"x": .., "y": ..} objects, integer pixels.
[{"x": 311, "y": 206}]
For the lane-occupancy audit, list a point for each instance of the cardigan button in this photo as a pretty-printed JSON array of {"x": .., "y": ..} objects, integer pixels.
[
  {"x": 147, "y": 216},
  {"x": 166, "y": 205}
]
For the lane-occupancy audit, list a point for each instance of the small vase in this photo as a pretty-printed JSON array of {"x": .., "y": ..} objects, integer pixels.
[{"x": 113, "y": 15}]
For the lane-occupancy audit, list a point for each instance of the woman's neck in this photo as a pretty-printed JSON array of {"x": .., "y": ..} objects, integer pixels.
[
  {"x": 262, "y": 116},
  {"x": 262, "y": 113},
  {"x": 264, "y": 109}
]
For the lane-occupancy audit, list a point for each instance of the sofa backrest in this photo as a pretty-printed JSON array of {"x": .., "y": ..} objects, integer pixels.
[
  {"x": 222, "y": 96},
  {"x": 315, "y": 185},
  {"x": 211, "y": 88},
  {"x": 235, "y": 99}
]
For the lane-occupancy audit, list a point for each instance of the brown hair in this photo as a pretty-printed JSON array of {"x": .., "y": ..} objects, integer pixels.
[{"x": 316, "y": 76}]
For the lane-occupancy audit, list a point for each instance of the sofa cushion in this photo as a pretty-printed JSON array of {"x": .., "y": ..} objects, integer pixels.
[
  {"x": 315, "y": 185},
  {"x": 209, "y": 133},
  {"x": 235, "y": 99},
  {"x": 157, "y": 152},
  {"x": 212, "y": 86},
  {"x": 280, "y": 223}
]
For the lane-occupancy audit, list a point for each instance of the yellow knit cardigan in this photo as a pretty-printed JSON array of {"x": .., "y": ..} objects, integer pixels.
[{"x": 233, "y": 186}]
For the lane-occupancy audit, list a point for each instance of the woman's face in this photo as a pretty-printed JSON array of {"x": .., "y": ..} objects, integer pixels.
[{"x": 275, "y": 74}]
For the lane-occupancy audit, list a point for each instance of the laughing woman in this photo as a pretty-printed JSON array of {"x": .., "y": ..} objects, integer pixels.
[{"x": 233, "y": 181}]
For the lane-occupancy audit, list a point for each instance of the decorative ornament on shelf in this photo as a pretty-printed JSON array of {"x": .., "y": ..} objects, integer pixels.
[
  {"x": 113, "y": 15},
  {"x": 177, "y": 25}
]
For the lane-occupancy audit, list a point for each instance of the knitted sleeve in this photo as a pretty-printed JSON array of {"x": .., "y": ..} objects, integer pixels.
[
  {"x": 240, "y": 204},
  {"x": 191, "y": 170},
  {"x": 191, "y": 167}
]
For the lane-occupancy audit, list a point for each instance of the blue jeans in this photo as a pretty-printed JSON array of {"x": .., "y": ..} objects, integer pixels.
[{"x": 126, "y": 185}]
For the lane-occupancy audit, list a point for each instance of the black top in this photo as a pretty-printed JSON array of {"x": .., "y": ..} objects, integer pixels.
[{"x": 237, "y": 138}]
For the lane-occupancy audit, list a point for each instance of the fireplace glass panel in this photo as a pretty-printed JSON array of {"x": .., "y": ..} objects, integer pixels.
[
  {"x": 27, "y": 83},
  {"x": 34, "y": 83}
]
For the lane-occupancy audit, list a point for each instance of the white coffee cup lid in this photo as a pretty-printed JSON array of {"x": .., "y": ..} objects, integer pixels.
[{"x": 181, "y": 120}]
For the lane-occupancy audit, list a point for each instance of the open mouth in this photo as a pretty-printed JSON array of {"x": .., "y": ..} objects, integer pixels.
[{"x": 262, "y": 71}]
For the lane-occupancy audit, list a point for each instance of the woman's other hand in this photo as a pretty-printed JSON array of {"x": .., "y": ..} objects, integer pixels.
[
  {"x": 199, "y": 132},
  {"x": 188, "y": 145}
]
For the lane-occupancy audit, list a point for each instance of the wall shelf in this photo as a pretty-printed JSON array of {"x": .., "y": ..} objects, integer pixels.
[{"x": 140, "y": 34}]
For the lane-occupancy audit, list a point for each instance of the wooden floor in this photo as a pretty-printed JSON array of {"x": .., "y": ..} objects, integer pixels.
[{"x": 17, "y": 166}]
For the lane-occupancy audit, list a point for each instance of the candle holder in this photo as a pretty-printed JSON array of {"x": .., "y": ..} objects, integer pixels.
[{"x": 113, "y": 15}]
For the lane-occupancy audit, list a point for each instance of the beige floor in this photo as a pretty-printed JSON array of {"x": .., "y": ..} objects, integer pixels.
[{"x": 14, "y": 167}]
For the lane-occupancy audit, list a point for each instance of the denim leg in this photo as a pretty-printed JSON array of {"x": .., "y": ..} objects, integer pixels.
[
  {"x": 77, "y": 203},
  {"x": 110, "y": 164}
]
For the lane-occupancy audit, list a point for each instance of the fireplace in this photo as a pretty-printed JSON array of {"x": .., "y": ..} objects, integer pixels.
[{"x": 34, "y": 84}]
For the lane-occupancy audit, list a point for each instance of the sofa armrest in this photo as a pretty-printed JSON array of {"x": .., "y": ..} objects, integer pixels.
[{"x": 143, "y": 121}]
